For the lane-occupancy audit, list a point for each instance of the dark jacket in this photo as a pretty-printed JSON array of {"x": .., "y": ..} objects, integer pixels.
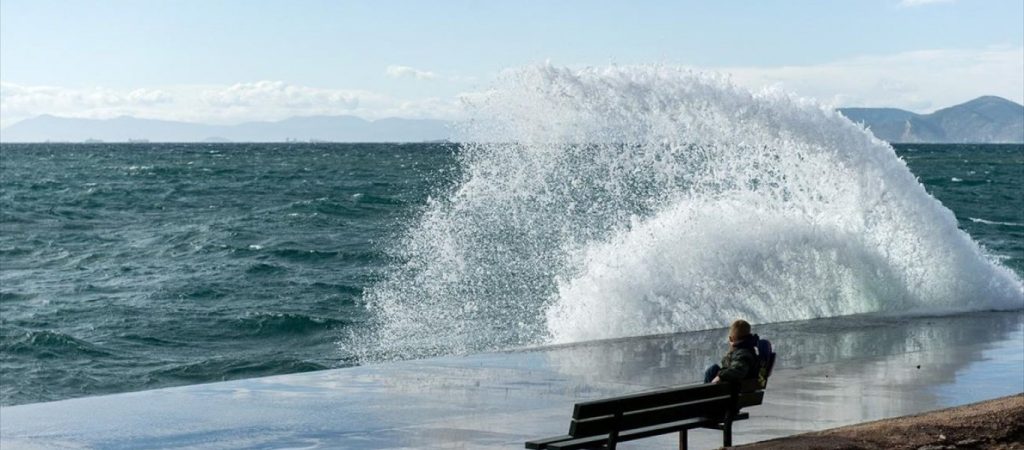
[{"x": 741, "y": 361}]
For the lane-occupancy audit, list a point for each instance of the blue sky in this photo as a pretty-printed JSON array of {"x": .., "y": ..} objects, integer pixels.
[{"x": 226, "y": 61}]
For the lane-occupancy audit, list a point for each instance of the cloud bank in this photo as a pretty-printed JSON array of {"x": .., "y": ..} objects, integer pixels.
[
  {"x": 281, "y": 94},
  {"x": 920, "y": 81},
  {"x": 240, "y": 102}
]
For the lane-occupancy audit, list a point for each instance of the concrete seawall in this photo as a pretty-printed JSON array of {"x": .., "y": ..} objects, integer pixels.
[{"x": 831, "y": 373}]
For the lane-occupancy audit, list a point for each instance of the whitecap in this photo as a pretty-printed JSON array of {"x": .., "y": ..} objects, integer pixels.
[{"x": 994, "y": 222}]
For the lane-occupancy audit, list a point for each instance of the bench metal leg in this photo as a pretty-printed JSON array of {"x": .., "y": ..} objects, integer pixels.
[
  {"x": 682, "y": 440},
  {"x": 727, "y": 434},
  {"x": 613, "y": 437}
]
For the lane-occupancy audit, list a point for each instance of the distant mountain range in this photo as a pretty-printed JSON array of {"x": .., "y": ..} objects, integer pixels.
[
  {"x": 982, "y": 120},
  {"x": 312, "y": 128}
]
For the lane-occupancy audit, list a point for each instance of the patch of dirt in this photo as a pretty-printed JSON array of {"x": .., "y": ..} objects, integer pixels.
[{"x": 994, "y": 424}]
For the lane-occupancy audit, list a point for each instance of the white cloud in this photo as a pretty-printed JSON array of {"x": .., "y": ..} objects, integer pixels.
[
  {"x": 394, "y": 71},
  {"x": 19, "y": 101},
  {"x": 920, "y": 81},
  {"x": 148, "y": 97},
  {"x": 16, "y": 96},
  {"x": 280, "y": 94},
  {"x": 913, "y": 3}
]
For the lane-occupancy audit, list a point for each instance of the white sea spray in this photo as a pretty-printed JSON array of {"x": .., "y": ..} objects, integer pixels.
[{"x": 624, "y": 201}]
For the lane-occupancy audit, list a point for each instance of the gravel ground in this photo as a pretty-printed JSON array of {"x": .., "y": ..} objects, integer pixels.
[{"x": 993, "y": 424}]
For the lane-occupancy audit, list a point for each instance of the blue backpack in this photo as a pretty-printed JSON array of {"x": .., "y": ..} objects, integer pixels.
[{"x": 766, "y": 360}]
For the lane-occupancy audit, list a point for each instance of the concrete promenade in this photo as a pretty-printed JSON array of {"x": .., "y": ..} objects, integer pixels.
[{"x": 831, "y": 372}]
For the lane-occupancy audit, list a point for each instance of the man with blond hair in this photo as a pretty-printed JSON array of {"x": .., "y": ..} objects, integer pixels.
[{"x": 741, "y": 361}]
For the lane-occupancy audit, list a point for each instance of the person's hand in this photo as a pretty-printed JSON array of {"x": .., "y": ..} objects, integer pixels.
[{"x": 716, "y": 380}]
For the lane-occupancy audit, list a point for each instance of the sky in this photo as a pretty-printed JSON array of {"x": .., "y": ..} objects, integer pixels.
[{"x": 229, "y": 61}]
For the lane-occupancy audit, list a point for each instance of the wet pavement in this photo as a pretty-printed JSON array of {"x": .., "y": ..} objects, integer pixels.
[{"x": 830, "y": 373}]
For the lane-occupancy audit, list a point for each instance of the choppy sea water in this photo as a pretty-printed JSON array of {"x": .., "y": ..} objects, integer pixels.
[
  {"x": 136, "y": 266},
  {"x": 128, "y": 267}
]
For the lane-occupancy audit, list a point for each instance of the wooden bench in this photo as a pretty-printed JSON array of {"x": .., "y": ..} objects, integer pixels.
[{"x": 604, "y": 423}]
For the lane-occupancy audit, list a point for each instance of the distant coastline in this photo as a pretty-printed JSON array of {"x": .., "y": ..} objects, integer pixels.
[{"x": 984, "y": 120}]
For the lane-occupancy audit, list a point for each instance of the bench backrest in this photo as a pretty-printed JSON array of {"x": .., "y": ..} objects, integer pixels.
[{"x": 662, "y": 406}]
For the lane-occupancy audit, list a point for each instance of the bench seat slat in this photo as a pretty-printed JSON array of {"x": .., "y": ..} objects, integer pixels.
[
  {"x": 645, "y": 432},
  {"x": 716, "y": 407},
  {"x": 656, "y": 398},
  {"x": 650, "y": 399},
  {"x": 542, "y": 443}
]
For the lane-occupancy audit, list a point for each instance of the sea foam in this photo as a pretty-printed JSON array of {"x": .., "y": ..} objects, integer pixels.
[{"x": 625, "y": 201}]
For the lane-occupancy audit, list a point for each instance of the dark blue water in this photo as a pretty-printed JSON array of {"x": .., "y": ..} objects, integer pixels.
[
  {"x": 135, "y": 266},
  {"x": 983, "y": 185},
  {"x": 127, "y": 267}
]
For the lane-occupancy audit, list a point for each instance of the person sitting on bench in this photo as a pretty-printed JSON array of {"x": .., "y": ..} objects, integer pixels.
[{"x": 741, "y": 362}]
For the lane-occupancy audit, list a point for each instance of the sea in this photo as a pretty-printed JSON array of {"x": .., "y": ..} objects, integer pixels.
[{"x": 126, "y": 267}]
